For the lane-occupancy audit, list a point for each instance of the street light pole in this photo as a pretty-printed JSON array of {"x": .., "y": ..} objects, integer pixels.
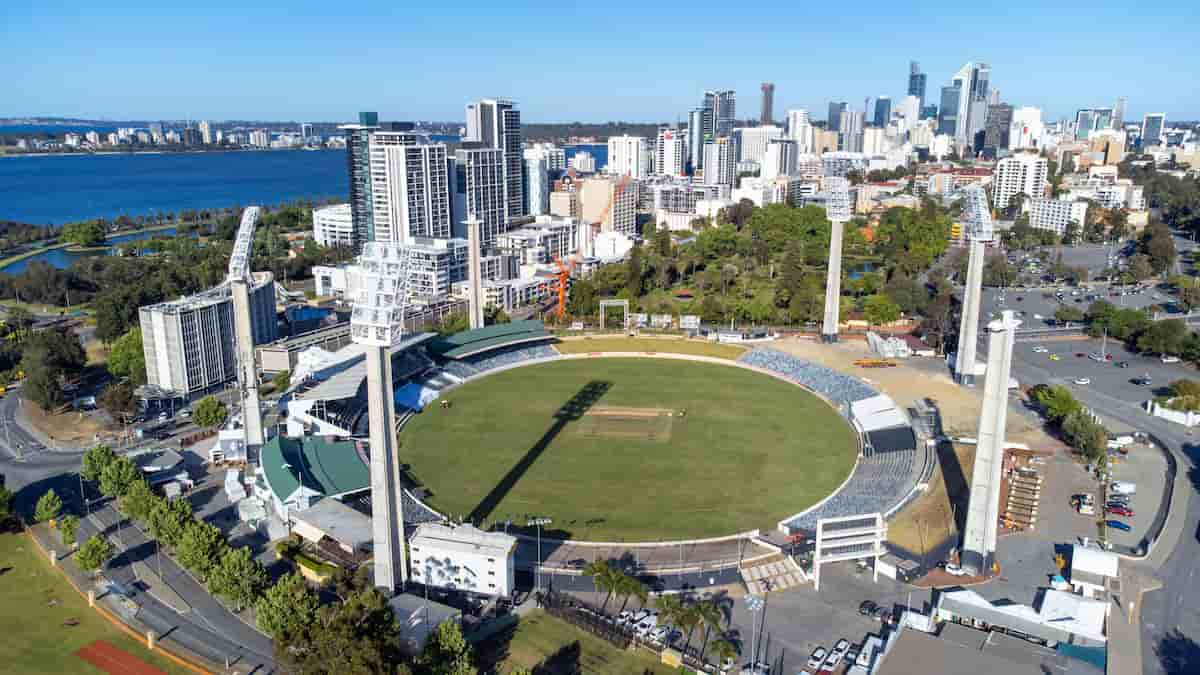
[
  {"x": 754, "y": 604},
  {"x": 538, "y": 522}
]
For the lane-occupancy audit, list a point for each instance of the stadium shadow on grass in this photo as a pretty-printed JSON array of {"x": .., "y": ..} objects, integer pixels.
[{"x": 571, "y": 411}]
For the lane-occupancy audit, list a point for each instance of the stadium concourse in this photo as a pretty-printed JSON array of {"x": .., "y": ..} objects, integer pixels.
[{"x": 328, "y": 399}]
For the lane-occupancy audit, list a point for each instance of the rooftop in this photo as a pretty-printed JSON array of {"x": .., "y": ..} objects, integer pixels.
[
  {"x": 471, "y": 342},
  {"x": 338, "y": 522},
  {"x": 463, "y": 539},
  {"x": 329, "y": 468}
]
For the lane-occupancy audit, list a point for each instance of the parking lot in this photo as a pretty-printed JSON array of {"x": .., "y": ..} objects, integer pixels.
[{"x": 1107, "y": 378}]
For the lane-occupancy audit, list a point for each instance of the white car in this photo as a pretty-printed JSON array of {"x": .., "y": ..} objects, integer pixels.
[
  {"x": 1096, "y": 356},
  {"x": 647, "y": 624},
  {"x": 624, "y": 617},
  {"x": 1082, "y": 381},
  {"x": 660, "y": 633},
  {"x": 1169, "y": 359},
  {"x": 831, "y": 662},
  {"x": 817, "y": 658},
  {"x": 1040, "y": 350}
]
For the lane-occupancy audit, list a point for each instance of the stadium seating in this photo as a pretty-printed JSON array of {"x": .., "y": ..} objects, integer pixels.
[
  {"x": 833, "y": 385},
  {"x": 881, "y": 481},
  {"x": 475, "y": 365}
]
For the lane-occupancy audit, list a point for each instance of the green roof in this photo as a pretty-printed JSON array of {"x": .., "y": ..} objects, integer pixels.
[
  {"x": 471, "y": 342},
  {"x": 328, "y": 467}
]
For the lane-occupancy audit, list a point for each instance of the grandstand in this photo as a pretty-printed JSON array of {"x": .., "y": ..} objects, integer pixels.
[{"x": 892, "y": 464}]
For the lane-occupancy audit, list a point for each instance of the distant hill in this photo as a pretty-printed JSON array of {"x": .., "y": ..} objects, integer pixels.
[{"x": 578, "y": 131}]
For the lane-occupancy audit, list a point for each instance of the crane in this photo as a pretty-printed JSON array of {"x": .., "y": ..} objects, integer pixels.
[{"x": 565, "y": 269}]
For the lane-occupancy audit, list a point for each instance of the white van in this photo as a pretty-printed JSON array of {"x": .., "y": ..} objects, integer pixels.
[
  {"x": 1167, "y": 358},
  {"x": 1123, "y": 487}
]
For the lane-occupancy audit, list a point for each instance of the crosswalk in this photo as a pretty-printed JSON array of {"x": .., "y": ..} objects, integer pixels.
[{"x": 774, "y": 575}]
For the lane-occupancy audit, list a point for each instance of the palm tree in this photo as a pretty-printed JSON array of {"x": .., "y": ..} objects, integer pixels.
[
  {"x": 688, "y": 619},
  {"x": 604, "y": 578},
  {"x": 710, "y": 616},
  {"x": 668, "y": 607},
  {"x": 629, "y": 586},
  {"x": 723, "y": 649}
]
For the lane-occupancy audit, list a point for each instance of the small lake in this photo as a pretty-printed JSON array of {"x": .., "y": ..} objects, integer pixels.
[{"x": 62, "y": 258}]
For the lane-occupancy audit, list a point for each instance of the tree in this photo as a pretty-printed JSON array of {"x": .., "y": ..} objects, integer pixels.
[
  {"x": 49, "y": 355},
  {"x": 880, "y": 310},
  {"x": 6, "y": 499},
  {"x": 49, "y": 505},
  {"x": 94, "y": 553},
  {"x": 447, "y": 652},
  {"x": 495, "y": 315},
  {"x": 118, "y": 399},
  {"x": 210, "y": 412},
  {"x": 282, "y": 380},
  {"x": 1056, "y": 401},
  {"x": 604, "y": 578},
  {"x": 1140, "y": 267},
  {"x": 287, "y": 608},
  {"x": 1068, "y": 315},
  {"x": 1163, "y": 337},
  {"x": 138, "y": 501},
  {"x": 723, "y": 650},
  {"x": 1071, "y": 233},
  {"x": 1184, "y": 387},
  {"x": 1189, "y": 297},
  {"x": 118, "y": 476},
  {"x": 1087, "y": 436},
  {"x": 201, "y": 548},
  {"x": 239, "y": 577},
  {"x": 358, "y": 635},
  {"x": 168, "y": 519},
  {"x": 126, "y": 359},
  {"x": 629, "y": 587},
  {"x": 710, "y": 618},
  {"x": 88, "y": 233},
  {"x": 94, "y": 460},
  {"x": 68, "y": 527}
]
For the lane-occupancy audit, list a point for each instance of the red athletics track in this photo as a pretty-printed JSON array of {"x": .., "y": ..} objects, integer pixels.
[{"x": 115, "y": 661}]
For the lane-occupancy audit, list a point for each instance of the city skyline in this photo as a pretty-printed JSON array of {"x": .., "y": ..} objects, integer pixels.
[{"x": 236, "y": 62}]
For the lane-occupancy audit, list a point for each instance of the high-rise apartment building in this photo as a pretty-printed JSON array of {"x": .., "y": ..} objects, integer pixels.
[
  {"x": 479, "y": 190},
  {"x": 695, "y": 140},
  {"x": 597, "y": 194},
  {"x": 800, "y": 129},
  {"x": 768, "y": 103},
  {"x": 1118, "y": 116},
  {"x": 358, "y": 166},
  {"x": 206, "y": 134},
  {"x": 883, "y": 111},
  {"x": 1023, "y": 173},
  {"x": 1088, "y": 120},
  {"x": 752, "y": 141},
  {"x": 1026, "y": 129},
  {"x": 410, "y": 194},
  {"x": 625, "y": 156},
  {"x": 537, "y": 187},
  {"x": 972, "y": 83},
  {"x": 996, "y": 130},
  {"x": 333, "y": 225},
  {"x": 670, "y": 152},
  {"x": 496, "y": 123},
  {"x": 1152, "y": 128},
  {"x": 719, "y": 113},
  {"x": 554, "y": 156},
  {"x": 850, "y": 130},
  {"x": 916, "y": 82},
  {"x": 720, "y": 161},
  {"x": 834, "y": 121},
  {"x": 779, "y": 159}
]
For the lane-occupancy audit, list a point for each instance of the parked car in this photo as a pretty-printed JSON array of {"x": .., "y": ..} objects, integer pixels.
[
  {"x": 1118, "y": 525},
  {"x": 1082, "y": 381},
  {"x": 1167, "y": 358},
  {"x": 817, "y": 658},
  {"x": 841, "y": 648},
  {"x": 831, "y": 662},
  {"x": 1121, "y": 364},
  {"x": 624, "y": 617},
  {"x": 1055, "y": 357},
  {"x": 1040, "y": 350},
  {"x": 867, "y": 608},
  {"x": 1122, "y": 487},
  {"x": 1120, "y": 511}
]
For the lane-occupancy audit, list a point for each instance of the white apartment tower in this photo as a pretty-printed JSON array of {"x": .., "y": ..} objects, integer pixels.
[
  {"x": 537, "y": 182},
  {"x": 479, "y": 190},
  {"x": 779, "y": 159},
  {"x": 720, "y": 162},
  {"x": 626, "y": 155},
  {"x": 1023, "y": 173},
  {"x": 752, "y": 141},
  {"x": 496, "y": 123},
  {"x": 800, "y": 129},
  {"x": 409, "y": 188},
  {"x": 1026, "y": 129},
  {"x": 671, "y": 152}
]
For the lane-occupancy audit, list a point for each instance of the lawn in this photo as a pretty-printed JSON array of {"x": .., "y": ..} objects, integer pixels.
[
  {"x": 671, "y": 345},
  {"x": 742, "y": 450},
  {"x": 35, "y": 601},
  {"x": 551, "y": 646}
]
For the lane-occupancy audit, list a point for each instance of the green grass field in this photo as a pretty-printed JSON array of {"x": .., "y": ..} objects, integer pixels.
[
  {"x": 668, "y": 345},
  {"x": 546, "y": 644},
  {"x": 749, "y": 450},
  {"x": 35, "y": 601}
]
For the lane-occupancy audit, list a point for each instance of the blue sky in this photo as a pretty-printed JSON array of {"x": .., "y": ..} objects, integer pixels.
[{"x": 640, "y": 61}]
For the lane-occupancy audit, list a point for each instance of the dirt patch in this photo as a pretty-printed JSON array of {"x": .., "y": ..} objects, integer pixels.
[
  {"x": 67, "y": 427},
  {"x": 640, "y": 424},
  {"x": 938, "y": 515}
]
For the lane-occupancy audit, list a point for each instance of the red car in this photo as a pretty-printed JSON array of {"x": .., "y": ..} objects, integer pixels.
[{"x": 1120, "y": 511}]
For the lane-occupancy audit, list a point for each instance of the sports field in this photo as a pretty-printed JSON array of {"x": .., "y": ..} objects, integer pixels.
[
  {"x": 617, "y": 343},
  {"x": 630, "y": 449}
]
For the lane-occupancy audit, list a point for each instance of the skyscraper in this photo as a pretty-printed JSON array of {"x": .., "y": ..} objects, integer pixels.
[
  {"x": 670, "y": 152},
  {"x": 996, "y": 131},
  {"x": 800, "y": 129},
  {"x": 695, "y": 142},
  {"x": 916, "y": 82},
  {"x": 768, "y": 103},
  {"x": 835, "y": 115},
  {"x": 479, "y": 190},
  {"x": 537, "y": 187},
  {"x": 358, "y": 166},
  {"x": 972, "y": 82},
  {"x": 496, "y": 123},
  {"x": 410, "y": 195},
  {"x": 1152, "y": 128},
  {"x": 719, "y": 113},
  {"x": 1023, "y": 173},
  {"x": 1118, "y": 117},
  {"x": 206, "y": 134},
  {"x": 720, "y": 161},
  {"x": 947, "y": 120},
  {"x": 625, "y": 155},
  {"x": 883, "y": 111}
]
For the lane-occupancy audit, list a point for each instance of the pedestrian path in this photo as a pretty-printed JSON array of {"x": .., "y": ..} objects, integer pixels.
[{"x": 773, "y": 575}]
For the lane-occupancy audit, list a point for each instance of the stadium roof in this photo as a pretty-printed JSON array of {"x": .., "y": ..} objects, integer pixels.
[
  {"x": 329, "y": 468},
  {"x": 893, "y": 439},
  {"x": 471, "y": 342},
  {"x": 344, "y": 370}
]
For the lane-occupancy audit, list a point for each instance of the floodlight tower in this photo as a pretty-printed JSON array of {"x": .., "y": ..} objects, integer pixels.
[
  {"x": 240, "y": 280},
  {"x": 837, "y": 209},
  {"x": 983, "y": 509},
  {"x": 474, "y": 272},
  {"x": 977, "y": 221},
  {"x": 377, "y": 322}
]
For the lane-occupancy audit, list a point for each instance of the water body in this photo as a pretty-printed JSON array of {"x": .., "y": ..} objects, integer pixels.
[
  {"x": 57, "y": 129},
  {"x": 57, "y": 189},
  {"x": 598, "y": 151},
  {"x": 62, "y": 257}
]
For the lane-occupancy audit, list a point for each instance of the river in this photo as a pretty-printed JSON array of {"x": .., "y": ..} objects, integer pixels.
[
  {"x": 63, "y": 257},
  {"x": 57, "y": 189}
]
